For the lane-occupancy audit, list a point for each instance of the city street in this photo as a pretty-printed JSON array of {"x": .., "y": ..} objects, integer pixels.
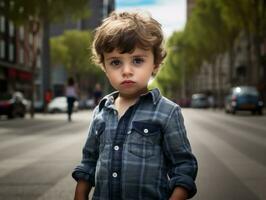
[{"x": 37, "y": 156}]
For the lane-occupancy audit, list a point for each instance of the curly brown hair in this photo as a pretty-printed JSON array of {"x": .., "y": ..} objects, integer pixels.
[{"x": 125, "y": 31}]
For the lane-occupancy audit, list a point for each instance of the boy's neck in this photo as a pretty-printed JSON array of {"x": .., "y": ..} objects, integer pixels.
[{"x": 123, "y": 102}]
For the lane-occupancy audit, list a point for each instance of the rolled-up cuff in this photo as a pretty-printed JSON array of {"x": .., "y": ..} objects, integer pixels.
[
  {"x": 81, "y": 175},
  {"x": 186, "y": 182}
]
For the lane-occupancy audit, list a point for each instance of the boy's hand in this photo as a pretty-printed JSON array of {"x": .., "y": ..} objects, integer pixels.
[{"x": 179, "y": 193}]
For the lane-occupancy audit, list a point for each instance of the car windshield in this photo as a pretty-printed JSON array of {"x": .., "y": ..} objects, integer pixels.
[
  {"x": 59, "y": 100},
  {"x": 246, "y": 90},
  {"x": 199, "y": 97}
]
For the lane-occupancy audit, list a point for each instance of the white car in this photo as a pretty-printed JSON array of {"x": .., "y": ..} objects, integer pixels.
[{"x": 59, "y": 104}]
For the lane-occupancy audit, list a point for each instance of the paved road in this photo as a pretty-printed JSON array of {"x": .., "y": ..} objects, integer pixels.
[{"x": 37, "y": 156}]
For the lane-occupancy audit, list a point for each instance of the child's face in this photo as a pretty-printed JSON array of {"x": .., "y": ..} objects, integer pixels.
[{"x": 129, "y": 73}]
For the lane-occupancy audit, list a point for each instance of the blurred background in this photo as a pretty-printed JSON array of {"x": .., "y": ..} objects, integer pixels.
[
  {"x": 215, "y": 70},
  {"x": 212, "y": 47}
]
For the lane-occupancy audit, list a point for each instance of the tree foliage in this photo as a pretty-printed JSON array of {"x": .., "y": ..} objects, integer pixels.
[
  {"x": 211, "y": 30},
  {"x": 73, "y": 50},
  {"x": 22, "y": 10}
]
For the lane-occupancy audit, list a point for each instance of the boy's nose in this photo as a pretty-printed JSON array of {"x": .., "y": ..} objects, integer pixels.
[{"x": 127, "y": 70}]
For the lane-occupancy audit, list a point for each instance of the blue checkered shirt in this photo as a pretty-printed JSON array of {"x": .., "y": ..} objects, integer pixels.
[{"x": 143, "y": 155}]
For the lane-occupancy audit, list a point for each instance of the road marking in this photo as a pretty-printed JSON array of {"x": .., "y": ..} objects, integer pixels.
[
  {"x": 247, "y": 170},
  {"x": 235, "y": 131},
  {"x": 63, "y": 189},
  {"x": 22, "y": 160},
  {"x": 32, "y": 137},
  {"x": 239, "y": 121}
]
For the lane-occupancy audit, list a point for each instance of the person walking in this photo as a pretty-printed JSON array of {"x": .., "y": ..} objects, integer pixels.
[{"x": 71, "y": 95}]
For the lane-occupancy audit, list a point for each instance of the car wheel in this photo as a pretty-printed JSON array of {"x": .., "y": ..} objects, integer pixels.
[
  {"x": 11, "y": 114},
  {"x": 260, "y": 112}
]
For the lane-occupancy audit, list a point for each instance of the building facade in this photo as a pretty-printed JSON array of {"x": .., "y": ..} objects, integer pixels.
[{"x": 16, "y": 52}]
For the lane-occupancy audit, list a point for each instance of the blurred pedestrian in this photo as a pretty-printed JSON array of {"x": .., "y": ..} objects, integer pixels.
[
  {"x": 71, "y": 95},
  {"x": 211, "y": 101},
  {"x": 48, "y": 95},
  {"x": 137, "y": 147},
  {"x": 97, "y": 94}
]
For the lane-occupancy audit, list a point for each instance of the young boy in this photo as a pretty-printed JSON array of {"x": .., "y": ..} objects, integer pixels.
[{"x": 137, "y": 148}]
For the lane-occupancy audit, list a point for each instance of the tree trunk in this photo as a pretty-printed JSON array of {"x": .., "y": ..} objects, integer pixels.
[
  {"x": 231, "y": 58},
  {"x": 45, "y": 53}
]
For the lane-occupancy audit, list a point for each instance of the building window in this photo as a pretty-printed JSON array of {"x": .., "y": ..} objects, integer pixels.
[
  {"x": 11, "y": 29},
  {"x": 2, "y": 49},
  {"x": 2, "y": 24},
  {"x": 11, "y": 52},
  {"x": 21, "y": 33},
  {"x": 21, "y": 55}
]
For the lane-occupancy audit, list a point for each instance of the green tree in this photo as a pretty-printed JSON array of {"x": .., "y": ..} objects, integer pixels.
[
  {"x": 249, "y": 17},
  {"x": 208, "y": 36},
  {"x": 73, "y": 50}
]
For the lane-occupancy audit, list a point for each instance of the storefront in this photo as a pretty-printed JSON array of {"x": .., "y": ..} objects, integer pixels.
[{"x": 19, "y": 80}]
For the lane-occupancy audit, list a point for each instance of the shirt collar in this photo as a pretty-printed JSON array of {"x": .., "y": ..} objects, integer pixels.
[{"x": 108, "y": 100}]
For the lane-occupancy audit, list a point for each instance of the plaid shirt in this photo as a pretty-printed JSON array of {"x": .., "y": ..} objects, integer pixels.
[{"x": 143, "y": 155}]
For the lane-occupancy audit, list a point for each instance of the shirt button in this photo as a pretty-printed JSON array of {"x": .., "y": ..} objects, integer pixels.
[
  {"x": 96, "y": 132},
  {"x": 116, "y": 147},
  {"x": 129, "y": 132},
  {"x": 145, "y": 130},
  {"x": 114, "y": 174}
]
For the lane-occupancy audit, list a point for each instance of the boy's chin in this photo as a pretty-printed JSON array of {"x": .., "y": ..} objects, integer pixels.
[{"x": 132, "y": 93}]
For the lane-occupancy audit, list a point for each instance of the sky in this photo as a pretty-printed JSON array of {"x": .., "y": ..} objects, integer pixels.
[{"x": 170, "y": 13}]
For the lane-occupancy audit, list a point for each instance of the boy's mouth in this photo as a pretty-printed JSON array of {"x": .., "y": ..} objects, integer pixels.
[{"x": 128, "y": 82}]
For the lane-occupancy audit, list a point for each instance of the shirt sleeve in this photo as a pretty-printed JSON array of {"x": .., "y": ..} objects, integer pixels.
[
  {"x": 86, "y": 169},
  {"x": 182, "y": 164}
]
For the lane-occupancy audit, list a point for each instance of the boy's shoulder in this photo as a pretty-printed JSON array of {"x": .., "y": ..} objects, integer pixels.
[
  {"x": 109, "y": 97},
  {"x": 167, "y": 105}
]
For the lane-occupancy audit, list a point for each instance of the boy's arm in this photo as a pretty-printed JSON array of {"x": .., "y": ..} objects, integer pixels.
[
  {"x": 182, "y": 163},
  {"x": 82, "y": 190},
  {"x": 179, "y": 193},
  {"x": 84, "y": 173}
]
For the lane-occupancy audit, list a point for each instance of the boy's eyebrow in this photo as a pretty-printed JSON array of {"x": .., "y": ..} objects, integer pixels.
[
  {"x": 117, "y": 57},
  {"x": 112, "y": 57},
  {"x": 140, "y": 55}
]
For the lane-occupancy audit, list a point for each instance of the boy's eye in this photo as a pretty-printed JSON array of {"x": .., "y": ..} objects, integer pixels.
[
  {"x": 138, "y": 61},
  {"x": 115, "y": 62}
]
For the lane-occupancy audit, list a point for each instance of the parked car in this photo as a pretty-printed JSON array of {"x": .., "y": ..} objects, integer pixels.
[
  {"x": 199, "y": 100},
  {"x": 59, "y": 104},
  {"x": 13, "y": 105},
  {"x": 86, "y": 104},
  {"x": 39, "y": 106},
  {"x": 243, "y": 98}
]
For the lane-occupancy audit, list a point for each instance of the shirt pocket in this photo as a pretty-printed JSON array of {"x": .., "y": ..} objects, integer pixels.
[{"x": 144, "y": 137}]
